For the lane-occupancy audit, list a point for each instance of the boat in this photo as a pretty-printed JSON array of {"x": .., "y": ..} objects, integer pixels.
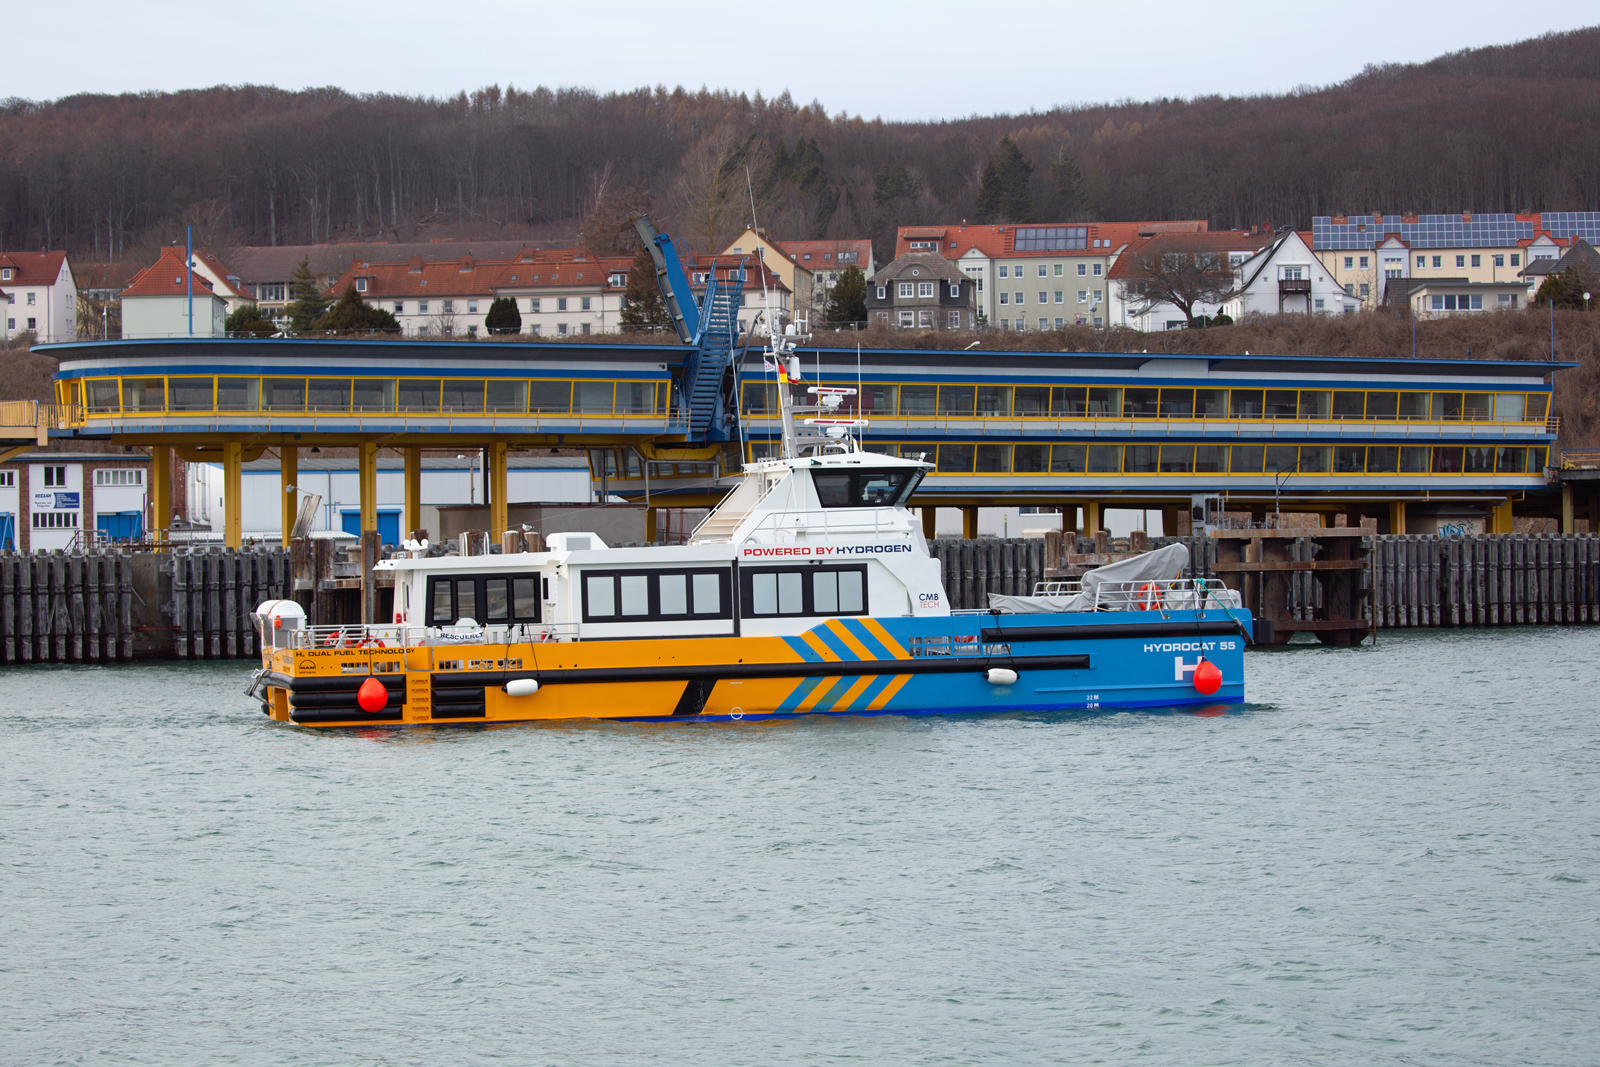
[{"x": 808, "y": 591}]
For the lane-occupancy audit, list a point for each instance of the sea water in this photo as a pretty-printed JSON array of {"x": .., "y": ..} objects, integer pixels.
[{"x": 1389, "y": 856}]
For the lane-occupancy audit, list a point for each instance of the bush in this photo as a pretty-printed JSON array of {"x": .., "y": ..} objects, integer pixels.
[
  {"x": 503, "y": 316},
  {"x": 249, "y": 320},
  {"x": 352, "y": 314}
]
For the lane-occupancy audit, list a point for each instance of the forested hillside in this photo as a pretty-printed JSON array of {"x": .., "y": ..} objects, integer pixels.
[{"x": 1500, "y": 129}]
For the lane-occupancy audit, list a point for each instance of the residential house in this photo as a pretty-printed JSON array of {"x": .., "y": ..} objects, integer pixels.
[
  {"x": 563, "y": 292},
  {"x": 797, "y": 277},
  {"x": 224, "y": 282},
  {"x": 1581, "y": 252},
  {"x": 47, "y": 499},
  {"x": 1055, "y": 272},
  {"x": 266, "y": 271},
  {"x": 1433, "y": 298},
  {"x": 167, "y": 299},
  {"x": 827, "y": 260},
  {"x": 1364, "y": 253},
  {"x": 42, "y": 296},
  {"x": 925, "y": 291},
  {"x": 1232, "y": 248},
  {"x": 1287, "y": 276}
]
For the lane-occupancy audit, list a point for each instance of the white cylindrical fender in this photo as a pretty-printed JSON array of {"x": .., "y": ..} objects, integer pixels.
[
  {"x": 521, "y": 687},
  {"x": 1000, "y": 676}
]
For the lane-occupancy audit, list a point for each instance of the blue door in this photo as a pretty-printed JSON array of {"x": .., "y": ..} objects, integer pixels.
[
  {"x": 8, "y": 532},
  {"x": 388, "y": 525},
  {"x": 121, "y": 525}
]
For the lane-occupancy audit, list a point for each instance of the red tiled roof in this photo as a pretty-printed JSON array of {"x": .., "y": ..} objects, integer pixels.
[
  {"x": 531, "y": 269},
  {"x": 104, "y": 275},
  {"x": 997, "y": 240},
  {"x": 33, "y": 268},
  {"x": 825, "y": 254},
  {"x": 166, "y": 277}
]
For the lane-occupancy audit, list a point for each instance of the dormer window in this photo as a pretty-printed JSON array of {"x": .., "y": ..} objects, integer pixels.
[
  {"x": 5, "y": 274},
  {"x": 361, "y": 285}
]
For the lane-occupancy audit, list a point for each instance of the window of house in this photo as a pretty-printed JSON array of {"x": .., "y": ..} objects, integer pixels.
[
  {"x": 118, "y": 476},
  {"x": 561, "y": 329},
  {"x": 1349, "y": 262},
  {"x": 1005, "y": 298},
  {"x": 1461, "y": 261},
  {"x": 1500, "y": 261},
  {"x": 1060, "y": 296},
  {"x": 1019, "y": 298},
  {"x": 30, "y": 298},
  {"x": 1320, "y": 303},
  {"x": 1364, "y": 262},
  {"x": 1294, "y": 274},
  {"x": 1058, "y": 270},
  {"x": 1004, "y": 271},
  {"x": 561, "y": 303},
  {"x": 1044, "y": 324},
  {"x": 1516, "y": 259},
  {"x": 1083, "y": 269},
  {"x": 1422, "y": 261},
  {"x": 925, "y": 318},
  {"x": 883, "y": 293},
  {"x": 585, "y": 327},
  {"x": 5, "y": 274},
  {"x": 906, "y": 319},
  {"x": 33, "y": 323},
  {"x": 924, "y": 289},
  {"x": 1366, "y": 290},
  {"x": 361, "y": 285},
  {"x": 1099, "y": 295},
  {"x": 55, "y": 477},
  {"x": 906, "y": 289},
  {"x": 953, "y": 319},
  {"x": 1060, "y": 323},
  {"x": 955, "y": 290},
  {"x": 8, "y": 479},
  {"x": 1083, "y": 296},
  {"x": 533, "y": 304},
  {"x": 584, "y": 304},
  {"x": 1349, "y": 288},
  {"x": 449, "y": 307},
  {"x": 1393, "y": 272},
  {"x": 1438, "y": 261},
  {"x": 1005, "y": 324},
  {"x": 1044, "y": 271},
  {"x": 1477, "y": 261},
  {"x": 399, "y": 307}
]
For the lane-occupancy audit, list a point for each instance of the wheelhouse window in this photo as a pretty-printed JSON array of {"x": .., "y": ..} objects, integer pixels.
[
  {"x": 636, "y": 596},
  {"x": 491, "y": 598},
  {"x": 787, "y": 592},
  {"x": 866, "y": 488}
]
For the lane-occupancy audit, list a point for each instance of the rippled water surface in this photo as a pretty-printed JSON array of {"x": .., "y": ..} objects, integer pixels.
[{"x": 1388, "y": 857}]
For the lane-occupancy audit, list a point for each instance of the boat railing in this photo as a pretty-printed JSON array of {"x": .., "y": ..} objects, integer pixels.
[
  {"x": 1058, "y": 587},
  {"x": 376, "y": 636},
  {"x": 1168, "y": 594},
  {"x": 789, "y": 525}
]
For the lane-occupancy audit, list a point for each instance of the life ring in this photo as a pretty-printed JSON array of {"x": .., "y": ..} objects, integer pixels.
[{"x": 1148, "y": 597}]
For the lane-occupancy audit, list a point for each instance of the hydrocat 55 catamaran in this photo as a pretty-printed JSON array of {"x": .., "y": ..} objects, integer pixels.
[{"x": 808, "y": 591}]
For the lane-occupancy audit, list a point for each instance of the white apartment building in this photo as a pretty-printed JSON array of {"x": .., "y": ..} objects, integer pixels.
[{"x": 40, "y": 295}]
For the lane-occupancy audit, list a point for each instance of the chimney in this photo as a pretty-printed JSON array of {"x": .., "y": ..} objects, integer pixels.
[{"x": 466, "y": 263}]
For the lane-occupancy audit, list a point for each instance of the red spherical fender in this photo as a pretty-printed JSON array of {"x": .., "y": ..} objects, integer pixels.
[
  {"x": 372, "y": 697},
  {"x": 1207, "y": 677}
]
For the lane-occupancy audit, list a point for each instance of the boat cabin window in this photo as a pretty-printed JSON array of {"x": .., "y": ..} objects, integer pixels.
[
  {"x": 778, "y": 592},
  {"x": 491, "y": 598},
  {"x": 866, "y": 488},
  {"x": 633, "y": 596}
]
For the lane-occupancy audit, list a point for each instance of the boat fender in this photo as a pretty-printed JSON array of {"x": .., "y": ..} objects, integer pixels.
[
  {"x": 372, "y": 696},
  {"x": 521, "y": 687},
  {"x": 1207, "y": 677},
  {"x": 1000, "y": 676}
]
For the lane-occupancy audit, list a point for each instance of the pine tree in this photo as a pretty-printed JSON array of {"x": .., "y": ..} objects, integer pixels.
[
  {"x": 352, "y": 313},
  {"x": 847, "y": 300},
  {"x": 1003, "y": 191},
  {"x": 1068, "y": 180},
  {"x": 307, "y": 302},
  {"x": 503, "y": 316},
  {"x": 642, "y": 305}
]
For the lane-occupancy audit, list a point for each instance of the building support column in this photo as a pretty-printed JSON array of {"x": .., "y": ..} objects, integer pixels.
[
  {"x": 495, "y": 456},
  {"x": 1397, "y": 517},
  {"x": 1500, "y": 518},
  {"x": 413, "y": 492},
  {"x": 1172, "y": 516},
  {"x": 160, "y": 495},
  {"x": 1091, "y": 519},
  {"x": 232, "y": 493},
  {"x": 289, "y": 482},
  {"x": 1567, "y": 510},
  {"x": 367, "y": 484},
  {"x": 930, "y": 523},
  {"x": 649, "y": 526},
  {"x": 969, "y": 523}
]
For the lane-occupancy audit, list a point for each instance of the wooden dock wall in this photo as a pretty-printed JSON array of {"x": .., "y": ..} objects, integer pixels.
[
  {"x": 1505, "y": 580},
  {"x": 109, "y": 606}
]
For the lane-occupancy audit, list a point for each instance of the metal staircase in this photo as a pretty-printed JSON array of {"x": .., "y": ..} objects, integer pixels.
[{"x": 719, "y": 331}]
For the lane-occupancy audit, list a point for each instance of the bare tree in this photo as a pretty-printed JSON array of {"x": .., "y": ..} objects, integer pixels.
[
  {"x": 712, "y": 194},
  {"x": 1167, "y": 272}
]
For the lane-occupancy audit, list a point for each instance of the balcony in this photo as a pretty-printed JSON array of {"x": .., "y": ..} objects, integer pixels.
[{"x": 1294, "y": 287}]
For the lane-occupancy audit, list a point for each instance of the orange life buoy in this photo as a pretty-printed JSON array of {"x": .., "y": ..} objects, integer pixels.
[{"x": 1149, "y": 596}]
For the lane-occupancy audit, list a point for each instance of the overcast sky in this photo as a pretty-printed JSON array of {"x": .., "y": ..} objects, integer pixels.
[{"x": 933, "y": 59}]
